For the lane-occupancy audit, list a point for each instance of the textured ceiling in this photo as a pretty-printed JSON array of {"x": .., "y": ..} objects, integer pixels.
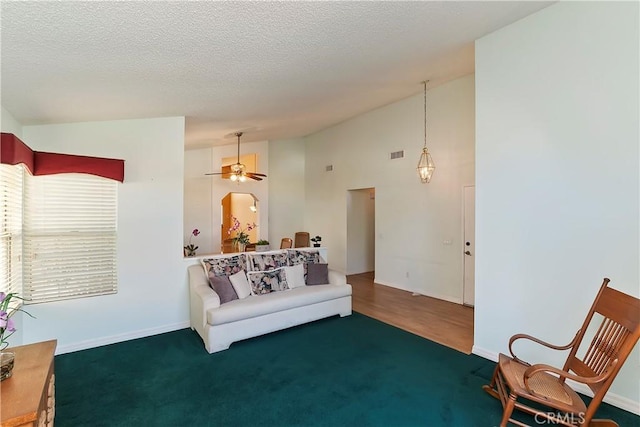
[{"x": 274, "y": 69}]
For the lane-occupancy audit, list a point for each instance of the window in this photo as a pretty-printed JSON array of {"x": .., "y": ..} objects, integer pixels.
[
  {"x": 67, "y": 235},
  {"x": 11, "y": 228}
]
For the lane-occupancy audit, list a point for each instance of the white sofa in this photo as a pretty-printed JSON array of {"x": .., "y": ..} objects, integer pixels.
[{"x": 220, "y": 325}]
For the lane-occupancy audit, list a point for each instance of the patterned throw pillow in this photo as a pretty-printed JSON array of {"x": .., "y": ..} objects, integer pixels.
[
  {"x": 263, "y": 262},
  {"x": 265, "y": 282},
  {"x": 304, "y": 257},
  {"x": 225, "y": 266}
]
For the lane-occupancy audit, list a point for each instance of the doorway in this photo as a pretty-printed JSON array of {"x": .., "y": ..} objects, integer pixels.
[{"x": 361, "y": 230}]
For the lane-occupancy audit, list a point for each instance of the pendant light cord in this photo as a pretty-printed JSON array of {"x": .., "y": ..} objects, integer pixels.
[
  {"x": 425, "y": 113},
  {"x": 239, "y": 134}
]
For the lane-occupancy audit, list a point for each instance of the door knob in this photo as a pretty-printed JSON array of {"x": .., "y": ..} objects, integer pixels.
[{"x": 467, "y": 253}]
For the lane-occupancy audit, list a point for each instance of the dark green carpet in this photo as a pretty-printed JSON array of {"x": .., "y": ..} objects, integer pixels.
[{"x": 352, "y": 371}]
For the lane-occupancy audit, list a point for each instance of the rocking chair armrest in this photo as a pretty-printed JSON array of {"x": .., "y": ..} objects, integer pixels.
[
  {"x": 541, "y": 367},
  {"x": 516, "y": 337}
]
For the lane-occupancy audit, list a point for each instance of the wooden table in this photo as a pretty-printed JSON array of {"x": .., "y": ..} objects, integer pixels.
[{"x": 27, "y": 398}]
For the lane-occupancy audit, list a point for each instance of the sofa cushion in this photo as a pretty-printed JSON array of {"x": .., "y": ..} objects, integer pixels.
[
  {"x": 223, "y": 287},
  {"x": 264, "y": 282},
  {"x": 317, "y": 274},
  {"x": 240, "y": 284},
  {"x": 225, "y": 265},
  {"x": 295, "y": 276},
  {"x": 298, "y": 256},
  {"x": 267, "y": 261},
  {"x": 273, "y": 302}
]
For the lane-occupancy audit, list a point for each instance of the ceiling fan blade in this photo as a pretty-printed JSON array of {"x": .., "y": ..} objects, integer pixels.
[
  {"x": 257, "y": 174},
  {"x": 223, "y": 175},
  {"x": 255, "y": 178}
]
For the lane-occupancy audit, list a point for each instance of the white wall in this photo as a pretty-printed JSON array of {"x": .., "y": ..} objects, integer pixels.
[
  {"x": 557, "y": 175},
  {"x": 413, "y": 220},
  {"x": 286, "y": 189},
  {"x": 152, "y": 295},
  {"x": 203, "y": 194},
  {"x": 9, "y": 124}
]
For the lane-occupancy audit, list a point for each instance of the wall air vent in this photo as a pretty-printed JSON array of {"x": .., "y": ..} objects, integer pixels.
[
  {"x": 397, "y": 154},
  {"x": 328, "y": 168}
]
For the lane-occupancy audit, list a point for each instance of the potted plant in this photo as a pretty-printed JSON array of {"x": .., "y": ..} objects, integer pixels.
[
  {"x": 241, "y": 238},
  {"x": 190, "y": 249},
  {"x": 316, "y": 241},
  {"x": 262, "y": 245},
  {"x": 7, "y": 327}
]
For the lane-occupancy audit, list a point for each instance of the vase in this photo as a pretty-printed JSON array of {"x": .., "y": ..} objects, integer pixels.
[
  {"x": 7, "y": 359},
  {"x": 189, "y": 252},
  {"x": 240, "y": 247}
]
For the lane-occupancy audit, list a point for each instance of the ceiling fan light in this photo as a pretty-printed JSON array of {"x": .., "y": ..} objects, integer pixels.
[
  {"x": 233, "y": 177},
  {"x": 242, "y": 178}
]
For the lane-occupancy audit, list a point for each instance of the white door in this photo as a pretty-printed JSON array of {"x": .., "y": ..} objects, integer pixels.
[{"x": 469, "y": 245}]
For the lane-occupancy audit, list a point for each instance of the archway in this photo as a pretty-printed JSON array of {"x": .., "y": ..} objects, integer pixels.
[{"x": 244, "y": 207}]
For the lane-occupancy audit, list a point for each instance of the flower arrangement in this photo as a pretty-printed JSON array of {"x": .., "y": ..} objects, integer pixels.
[
  {"x": 241, "y": 236},
  {"x": 7, "y": 325},
  {"x": 190, "y": 249}
]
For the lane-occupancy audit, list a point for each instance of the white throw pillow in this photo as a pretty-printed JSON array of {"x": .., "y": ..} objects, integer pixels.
[
  {"x": 240, "y": 284},
  {"x": 295, "y": 276}
]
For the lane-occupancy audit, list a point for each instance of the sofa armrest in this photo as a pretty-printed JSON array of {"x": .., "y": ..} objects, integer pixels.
[
  {"x": 202, "y": 297},
  {"x": 337, "y": 278}
]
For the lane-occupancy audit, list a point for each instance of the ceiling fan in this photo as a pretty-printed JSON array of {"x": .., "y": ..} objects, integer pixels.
[{"x": 236, "y": 171}]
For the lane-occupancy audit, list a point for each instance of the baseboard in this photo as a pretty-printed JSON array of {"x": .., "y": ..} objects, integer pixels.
[
  {"x": 478, "y": 351},
  {"x": 447, "y": 298},
  {"x": 98, "y": 342},
  {"x": 610, "y": 398}
]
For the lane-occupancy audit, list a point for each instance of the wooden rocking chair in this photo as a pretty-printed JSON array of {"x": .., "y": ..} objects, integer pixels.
[{"x": 596, "y": 367}]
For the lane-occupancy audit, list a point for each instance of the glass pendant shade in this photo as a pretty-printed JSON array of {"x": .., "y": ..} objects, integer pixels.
[{"x": 425, "y": 166}]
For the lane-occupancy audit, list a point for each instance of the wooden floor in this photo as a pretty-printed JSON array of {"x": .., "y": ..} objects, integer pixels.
[{"x": 444, "y": 322}]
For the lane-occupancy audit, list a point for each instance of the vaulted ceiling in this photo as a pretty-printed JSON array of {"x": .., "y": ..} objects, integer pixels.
[{"x": 273, "y": 69}]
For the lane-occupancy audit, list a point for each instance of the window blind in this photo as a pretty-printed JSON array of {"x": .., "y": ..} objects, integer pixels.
[
  {"x": 69, "y": 237},
  {"x": 11, "y": 228}
]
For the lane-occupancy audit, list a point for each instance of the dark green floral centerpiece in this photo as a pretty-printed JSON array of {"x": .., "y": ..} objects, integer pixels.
[{"x": 262, "y": 245}]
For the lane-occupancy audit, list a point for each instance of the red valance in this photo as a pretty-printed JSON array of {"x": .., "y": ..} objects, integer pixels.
[{"x": 14, "y": 151}]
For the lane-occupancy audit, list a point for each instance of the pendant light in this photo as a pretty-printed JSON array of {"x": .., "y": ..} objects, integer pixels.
[{"x": 425, "y": 165}]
